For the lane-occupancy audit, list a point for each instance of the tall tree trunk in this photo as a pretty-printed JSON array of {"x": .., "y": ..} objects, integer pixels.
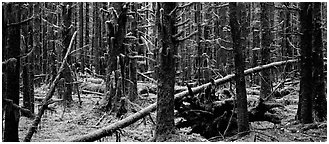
[
  {"x": 13, "y": 12},
  {"x": 28, "y": 89},
  {"x": 255, "y": 43},
  {"x": 166, "y": 75},
  {"x": 44, "y": 44},
  {"x": 198, "y": 42},
  {"x": 319, "y": 91},
  {"x": 243, "y": 120},
  {"x": 66, "y": 36},
  {"x": 133, "y": 62},
  {"x": 80, "y": 43},
  {"x": 304, "y": 112},
  {"x": 265, "y": 50}
]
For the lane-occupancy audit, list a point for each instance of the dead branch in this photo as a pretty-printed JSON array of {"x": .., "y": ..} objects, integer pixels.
[
  {"x": 21, "y": 22},
  {"x": 182, "y": 23},
  {"x": 189, "y": 36},
  {"x": 151, "y": 79},
  {"x": 74, "y": 51},
  {"x": 49, "y": 95},
  {"x": 93, "y": 136},
  {"x": 178, "y": 34},
  {"x": 138, "y": 56},
  {"x": 91, "y": 92},
  {"x": 25, "y": 112}
]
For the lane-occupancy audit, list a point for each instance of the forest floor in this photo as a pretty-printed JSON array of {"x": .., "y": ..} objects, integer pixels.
[{"x": 79, "y": 120}]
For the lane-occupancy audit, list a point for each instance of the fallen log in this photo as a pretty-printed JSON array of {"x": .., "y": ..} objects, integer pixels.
[
  {"x": 91, "y": 92},
  {"x": 98, "y": 134},
  {"x": 49, "y": 95},
  {"x": 102, "y": 132}
]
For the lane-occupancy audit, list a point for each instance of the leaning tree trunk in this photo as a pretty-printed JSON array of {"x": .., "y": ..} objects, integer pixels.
[
  {"x": 12, "y": 13},
  {"x": 242, "y": 113},
  {"x": 166, "y": 73}
]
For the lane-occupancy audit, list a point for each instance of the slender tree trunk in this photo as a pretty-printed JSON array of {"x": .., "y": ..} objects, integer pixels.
[
  {"x": 44, "y": 44},
  {"x": 166, "y": 75},
  {"x": 265, "y": 50},
  {"x": 304, "y": 112},
  {"x": 198, "y": 42},
  {"x": 66, "y": 36},
  {"x": 319, "y": 91},
  {"x": 133, "y": 62},
  {"x": 243, "y": 120},
  {"x": 80, "y": 32},
  {"x": 28, "y": 89},
  {"x": 10, "y": 133}
]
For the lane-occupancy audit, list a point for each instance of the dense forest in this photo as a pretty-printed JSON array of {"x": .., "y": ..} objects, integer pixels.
[{"x": 164, "y": 71}]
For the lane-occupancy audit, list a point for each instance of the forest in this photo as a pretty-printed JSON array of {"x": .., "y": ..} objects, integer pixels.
[{"x": 164, "y": 71}]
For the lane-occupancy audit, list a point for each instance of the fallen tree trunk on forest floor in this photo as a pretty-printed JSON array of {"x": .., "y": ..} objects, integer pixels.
[
  {"x": 50, "y": 93},
  {"x": 98, "y": 134}
]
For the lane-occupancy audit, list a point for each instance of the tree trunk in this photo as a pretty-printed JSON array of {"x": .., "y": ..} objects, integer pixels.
[
  {"x": 198, "y": 42},
  {"x": 166, "y": 75},
  {"x": 13, "y": 12},
  {"x": 265, "y": 50},
  {"x": 26, "y": 75},
  {"x": 304, "y": 112},
  {"x": 133, "y": 62},
  {"x": 319, "y": 91},
  {"x": 242, "y": 113},
  {"x": 116, "y": 38},
  {"x": 81, "y": 28},
  {"x": 66, "y": 36}
]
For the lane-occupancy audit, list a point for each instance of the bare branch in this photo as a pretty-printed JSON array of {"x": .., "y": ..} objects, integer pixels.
[
  {"x": 49, "y": 23},
  {"x": 189, "y": 36},
  {"x": 146, "y": 26},
  {"x": 220, "y": 6},
  {"x": 138, "y": 56},
  {"x": 74, "y": 51},
  {"x": 182, "y": 23},
  {"x": 25, "y": 112},
  {"x": 21, "y": 22},
  {"x": 178, "y": 34},
  {"x": 186, "y": 5}
]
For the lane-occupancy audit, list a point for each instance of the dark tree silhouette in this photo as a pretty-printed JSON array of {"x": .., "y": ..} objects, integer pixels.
[
  {"x": 319, "y": 91},
  {"x": 12, "y": 14},
  {"x": 242, "y": 116},
  {"x": 304, "y": 112},
  {"x": 166, "y": 74}
]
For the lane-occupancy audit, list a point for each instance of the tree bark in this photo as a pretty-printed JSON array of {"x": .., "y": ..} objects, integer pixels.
[
  {"x": 66, "y": 36},
  {"x": 28, "y": 89},
  {"x": 319, "y": 91},
  {"x": 133, "y": 62},
  {"x": 81, "y": 28},
  {"x": 304, "y": 112},
  {"x": 166, "y": 74},
  {"x": 242, "y": 112},
  {"x": 265, "y": 50},
  {"x": 13, "y": 12},
  {"x": 116, "y": 37}
]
